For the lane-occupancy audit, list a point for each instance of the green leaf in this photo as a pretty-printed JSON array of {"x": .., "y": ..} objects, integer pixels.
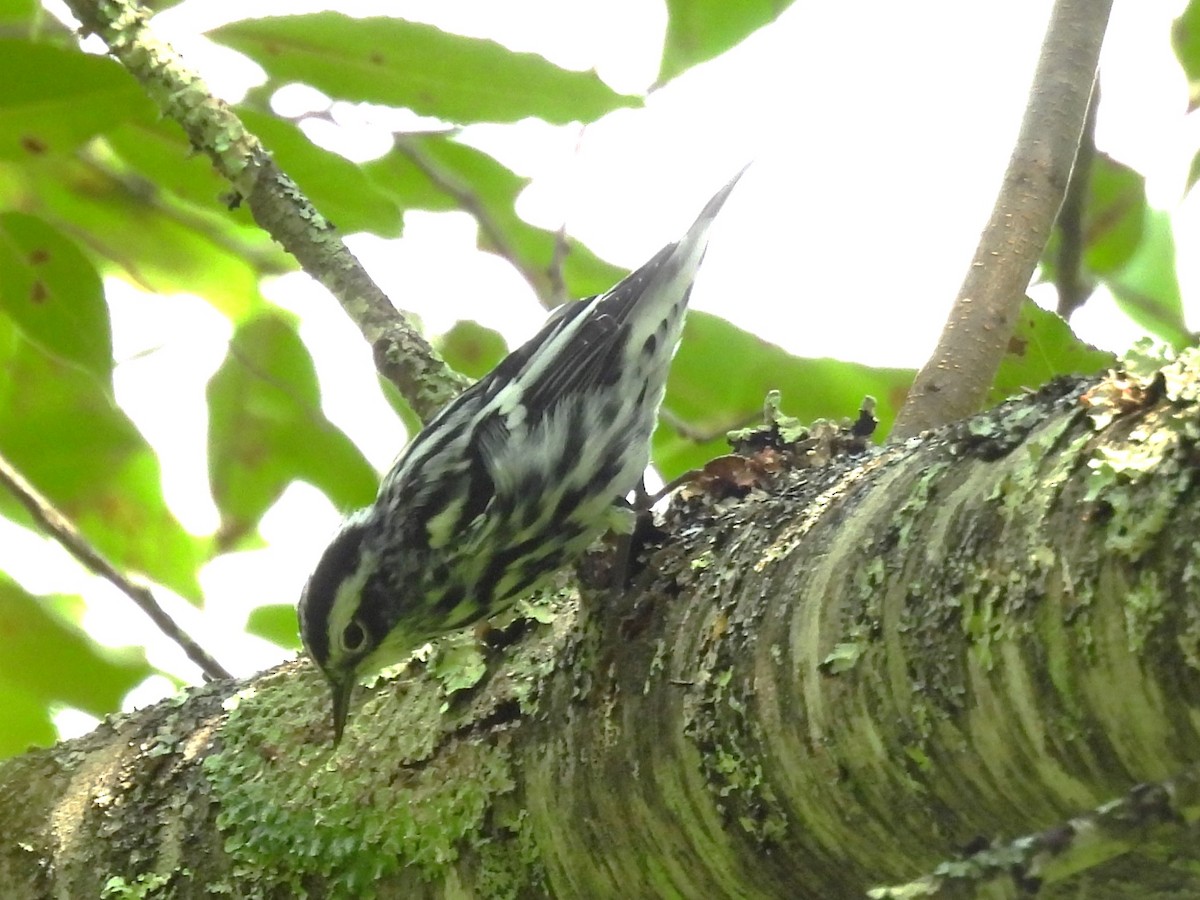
[
  {"x": 1146, "y": 287},
  {"x": 1042, "y": 348},
  {"x": 52, "y": 293},
  {"x": 160, "y": 247},
  {"x": 15, "y": 13},
  {"x": 266, "y": 429},
  {"x": 408, "y": 64},
  {"x": 336, "y": 186},
  {"x": 1185, "y": 38},
  {"x": 701, "y": 29},
  {"x": 1114, "y": 215},
  {"x": 277, "y": 623},
  {"x": 1193, "y": 173},
  {"x": 48, "y": 660},
  {"x": 1116, "y": 223},
  {"x": 54, "y": 99},
  {"x": 24, "y": 722},
  {"x": 722, "y": 374},
  {"x": 471, "y": 349},
  {"x": 495, "y": 189},
  {"x": 61, "y": 428}
]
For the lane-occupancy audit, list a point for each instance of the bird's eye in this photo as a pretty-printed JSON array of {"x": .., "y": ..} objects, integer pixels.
[{"x": 353, "y": 637}]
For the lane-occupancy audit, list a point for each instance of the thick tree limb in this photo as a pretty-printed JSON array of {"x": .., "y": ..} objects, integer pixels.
[
  {"x": 402, "y": 355},
  {"x": 835, "y": 682},
  {"x": 955, "y": 381}
]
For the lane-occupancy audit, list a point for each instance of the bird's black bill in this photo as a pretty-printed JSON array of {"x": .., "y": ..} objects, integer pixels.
[{"x": 342, "y": 691}]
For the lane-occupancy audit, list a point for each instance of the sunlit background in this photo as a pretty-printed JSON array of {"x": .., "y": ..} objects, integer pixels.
[{"x": 878, "y": 133}]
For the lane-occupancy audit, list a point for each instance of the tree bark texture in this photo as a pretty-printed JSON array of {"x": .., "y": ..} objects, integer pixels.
[{"x": 834, "y": 679}]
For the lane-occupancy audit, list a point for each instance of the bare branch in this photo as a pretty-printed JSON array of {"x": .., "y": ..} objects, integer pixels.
[
  {"x": 690, "y": 432},
  {"x": 263, "y": 257},
  {"x": 1148, "y": 812},
  {"x": 558, "y": 283},
  {"x": 401, "y": 354},
  {"x": 1073, "y": 292},
  {"x": 64, "y": 531},
  {"x": 954, "y": 382},
  {"x": 492, "y": 232},
  {"x": 562, "y": 246}
]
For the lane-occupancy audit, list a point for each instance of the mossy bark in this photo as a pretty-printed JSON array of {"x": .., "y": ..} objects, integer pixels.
[{"x": 836, "y": 681}]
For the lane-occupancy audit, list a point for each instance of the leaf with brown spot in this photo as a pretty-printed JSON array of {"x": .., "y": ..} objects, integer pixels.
[
  {"x": 56, "y": 98},
  {"x": 53, "y": 294},
  {"x": 1046, "y": 348},
  {"x": 471, "y": 348}
]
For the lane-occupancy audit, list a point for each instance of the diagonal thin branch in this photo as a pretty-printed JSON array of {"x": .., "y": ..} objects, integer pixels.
[
  {"x": 954, "y": 382},
  {"x": 690, "y": 432},
  {"x": 558, "y": 283},
  {"x": 402, "y": 355},
  {"x": 144, "y": 192},
  {"x": 64, "y": 531},
  {"x": 1022, "y": 867},
  {"x": 493, "y": 233},
  {"x": 1073, "y": 288}
]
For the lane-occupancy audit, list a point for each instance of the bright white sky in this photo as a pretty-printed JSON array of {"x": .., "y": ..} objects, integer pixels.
[{"x": 878, "y": 132}]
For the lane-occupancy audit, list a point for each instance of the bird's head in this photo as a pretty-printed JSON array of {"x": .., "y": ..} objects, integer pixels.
[{"x": 343, "y": 622}]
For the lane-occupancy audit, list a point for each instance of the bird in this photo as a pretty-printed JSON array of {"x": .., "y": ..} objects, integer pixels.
[{"x": 510, "y": 481}]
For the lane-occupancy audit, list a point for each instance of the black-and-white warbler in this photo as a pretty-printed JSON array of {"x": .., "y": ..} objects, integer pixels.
[{"x": 510, "y": 481}]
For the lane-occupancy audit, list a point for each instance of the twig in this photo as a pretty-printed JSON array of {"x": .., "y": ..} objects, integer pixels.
[
  {"x": 558, "y": 283},
  {"x": 690, "y": 432},
  {"x": 955, "y": 380},
  {"x": 1024, "y": 866},
  {"x": 62, "y": 530},
  {"x": 142, "y": 190},
  {"x": 401, "y": 354},
  {"x": 562, "y": 245},
  {"x": 1073, "y": 292},
  {"x": 472, "y": 204}
]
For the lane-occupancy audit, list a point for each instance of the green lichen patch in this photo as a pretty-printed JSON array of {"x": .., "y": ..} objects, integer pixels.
[
  {"x": 459, "y": 666},
  {"x": 145, "y": 885},
  {"x": 511, "y": 867},
  {"x": 317, "y": 821},
  {"x": 732, "y": 750},
  {"x": 843, "y": 658},
  {"x": 1138, "y": 480}
]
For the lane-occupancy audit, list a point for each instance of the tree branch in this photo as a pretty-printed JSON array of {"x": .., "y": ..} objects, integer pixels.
[
  {"x": 1073, "y": 291},
  {"x": 690, "y": 432},
  {"x": 954, "y": 382},
  {"x": 59, "y": 527},
  {"x": 264, "y": 257},
  {"x": 831, "y": 682},
  {"x": 401, "y": 354},
  {"x": 491, "y": 230},
  {"x": 1148, "y": 812}
]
